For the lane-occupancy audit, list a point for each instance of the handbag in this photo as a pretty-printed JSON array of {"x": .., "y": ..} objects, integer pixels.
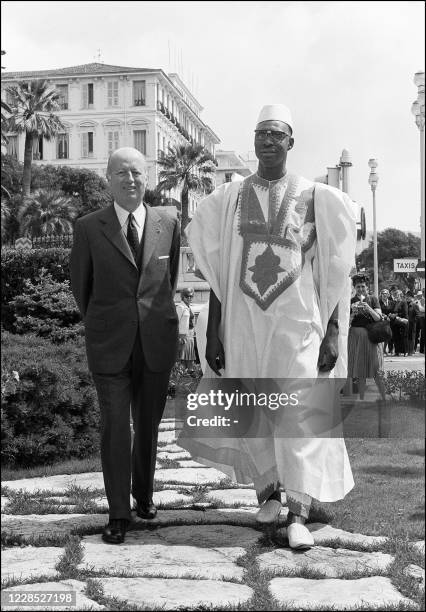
[{"x": 379, "y": 331}]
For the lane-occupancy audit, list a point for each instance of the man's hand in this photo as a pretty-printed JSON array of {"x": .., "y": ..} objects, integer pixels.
[
  {"x": 215, "y": 355},
  {"x": 329, "y": 350}
]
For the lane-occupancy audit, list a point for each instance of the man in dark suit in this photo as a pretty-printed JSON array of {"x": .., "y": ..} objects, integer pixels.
[{"x": 124, "y": 267}]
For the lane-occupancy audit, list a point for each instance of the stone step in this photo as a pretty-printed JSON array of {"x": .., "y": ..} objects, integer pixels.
[
  {"x": 194, "y": 551},
  {"x": 177, "y": 594},
  {"x": 331, "y": 562},
  {"x": 370, "y": 593}
]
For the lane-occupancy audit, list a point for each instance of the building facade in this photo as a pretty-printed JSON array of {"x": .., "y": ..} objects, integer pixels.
[{"x": 104, "y": 107}]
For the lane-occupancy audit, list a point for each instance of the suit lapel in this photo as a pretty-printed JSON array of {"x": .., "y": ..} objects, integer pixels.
[
  {"x": 112, "y": 230},
  {"x": 151, "y": 234}
]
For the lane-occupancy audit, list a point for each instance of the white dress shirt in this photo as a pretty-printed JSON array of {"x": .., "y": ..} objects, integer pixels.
[{"x": 123, "y": 217}]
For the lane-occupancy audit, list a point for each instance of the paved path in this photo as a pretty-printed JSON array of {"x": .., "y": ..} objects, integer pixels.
[{"x": 203, "y": 549}]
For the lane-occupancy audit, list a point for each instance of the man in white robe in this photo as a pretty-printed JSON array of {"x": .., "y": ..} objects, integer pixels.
[{"x": 277, "y": 251}]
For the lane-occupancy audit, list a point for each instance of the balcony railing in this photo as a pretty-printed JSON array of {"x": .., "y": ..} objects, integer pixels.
[{"x": 139, "y": 102}]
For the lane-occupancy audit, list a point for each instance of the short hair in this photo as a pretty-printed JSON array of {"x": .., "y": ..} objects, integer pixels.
[
  {"x": 360, "y": 278},
  {"x": 187, "y": 291}
]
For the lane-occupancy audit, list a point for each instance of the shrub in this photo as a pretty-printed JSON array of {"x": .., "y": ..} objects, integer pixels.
[
  {"x": 47, "y": 308},
  {"x": 19, "y": 265},
  {"x": 402, "y": 384},
  {"x": 49, "y": 409}
]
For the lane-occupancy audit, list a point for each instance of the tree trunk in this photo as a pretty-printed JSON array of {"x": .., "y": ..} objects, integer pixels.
[
  {"x": 28, "y": 158},
  {"x": 184, "y": 214}
]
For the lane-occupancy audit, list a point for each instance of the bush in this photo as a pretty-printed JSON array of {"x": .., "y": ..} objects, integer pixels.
[
  {"x": 48, "y": 309},
  {"x": 403, "y": 384},
  {"x": 49, "y": 408},
  {"x": 19, "y": 265}
]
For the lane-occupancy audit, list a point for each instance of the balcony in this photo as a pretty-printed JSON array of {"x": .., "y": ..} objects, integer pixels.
[{"x": 139, "y": 102}]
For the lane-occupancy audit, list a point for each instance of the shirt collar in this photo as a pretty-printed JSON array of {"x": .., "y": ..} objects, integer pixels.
[{"x": 139, "y": 214}]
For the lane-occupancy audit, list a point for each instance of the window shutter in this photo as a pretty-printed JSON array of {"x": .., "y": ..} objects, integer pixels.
[
  {"x": 115, "y": 83},
  {"x": 85, "y": 144},
  {"x": 109, "y": 93},
  {"x": 85, "y": 97},
  {"x": 116, "y": 140}
]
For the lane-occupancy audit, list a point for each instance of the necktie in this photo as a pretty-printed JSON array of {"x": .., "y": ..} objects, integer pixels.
[{"x": 132, "y": 235}]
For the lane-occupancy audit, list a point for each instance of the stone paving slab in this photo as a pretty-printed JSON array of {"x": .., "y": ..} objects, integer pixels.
[
  {"x": 331, "y": 562},
  {"x": 176, "y": 594},
  {"x": 194, "y": 476},
  {"x": 306, "y": 594},
  {"x": 229, "y": 497},
  {"x": 167, "y": 496},
  {"x": 169, "y": 425},
  {"x": 82, "y": 602},
  {"x": 166, "y": 553},
  {"x": 30, "y": 562},
  {"x": 57, "y": 484},
  {"x": 177, "y": 455},
  {"x": 171, "y": 448},
  {"x": 416, "y": 572},
  {"x": 167, "y": 436},
  {"x": 420, "y": 546},
  {"x": 29, "y": 526},
  {"x": 324, "y": 533},
  {"x": 189, "y": 463}
]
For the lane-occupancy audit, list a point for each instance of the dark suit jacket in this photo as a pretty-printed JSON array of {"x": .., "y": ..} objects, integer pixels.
[{"x": 116, "y": 300}]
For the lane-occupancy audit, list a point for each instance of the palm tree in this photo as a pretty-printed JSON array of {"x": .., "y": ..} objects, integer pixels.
[
  {"x": 190, "y": 167},
  {"x": 33, "y": 105},
  {"x": 5, "y": 114},
  {"x": 47, "y": 211}
]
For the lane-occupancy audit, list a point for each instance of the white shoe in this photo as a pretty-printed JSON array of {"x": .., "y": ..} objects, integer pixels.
[
  {"x": 299, "y": 537},
  {"x": 269, "y": 512}
]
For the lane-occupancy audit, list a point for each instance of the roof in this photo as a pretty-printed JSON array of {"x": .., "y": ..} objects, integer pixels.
[{"x": 93, "y": 68}]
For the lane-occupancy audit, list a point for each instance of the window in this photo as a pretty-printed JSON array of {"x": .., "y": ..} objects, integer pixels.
[
  {"x": 87, "y": 144},
  {"x": 12, "y": 146},
  {"x": 87, "y": 95},
  {"x": 113, "y": 141},
  {"x": 139, "y": 139},
  {"x": 139, "y": 93},
  {"x": 112, "y": 93},
  {"x": 228, "y": 177},
  {"x": 63, "y": 96},
  {"x": 62, "y": 146},
  {"x": 38, "y": 148}
]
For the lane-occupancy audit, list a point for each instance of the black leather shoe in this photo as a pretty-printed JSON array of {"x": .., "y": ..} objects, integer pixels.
[
  {"x": 115, "y": 531},
  {"x": 146, "y": 511}
]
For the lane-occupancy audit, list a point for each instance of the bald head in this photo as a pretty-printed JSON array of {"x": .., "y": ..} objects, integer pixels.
[
  {"x": 127, "y": 177},
  {"x": 126, "y": 153}
]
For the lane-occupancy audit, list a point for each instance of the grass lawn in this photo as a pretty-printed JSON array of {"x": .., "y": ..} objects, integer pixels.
[{"x": 388, "y": 497}]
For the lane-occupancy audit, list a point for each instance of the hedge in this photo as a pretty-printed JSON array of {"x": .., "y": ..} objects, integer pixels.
[
  {"x": 18, "y": 265},
  {"x": 49, "y": 405}
]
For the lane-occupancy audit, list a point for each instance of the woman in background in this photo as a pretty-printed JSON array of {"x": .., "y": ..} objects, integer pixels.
[
  {"x": 399, "y": 322},
  {"x": 365, "y": 359}
]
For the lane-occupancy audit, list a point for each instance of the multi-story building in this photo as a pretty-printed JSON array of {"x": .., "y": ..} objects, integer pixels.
[
  {"x": 229, "y": 166},
  {"x": 105, "y": 107}
]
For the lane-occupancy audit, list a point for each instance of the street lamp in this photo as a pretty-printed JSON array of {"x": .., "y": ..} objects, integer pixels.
[
  {"x": 418, "y": 110},
  {"x": 373, "y": 179}
]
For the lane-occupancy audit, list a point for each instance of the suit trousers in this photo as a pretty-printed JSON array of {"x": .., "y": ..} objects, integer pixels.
[{"x": 126, "y": 467}]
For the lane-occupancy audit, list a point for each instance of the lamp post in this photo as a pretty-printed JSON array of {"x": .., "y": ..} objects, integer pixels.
[
  {"x": 418, "y": 110},
  {"x": 373, "y": 179}
]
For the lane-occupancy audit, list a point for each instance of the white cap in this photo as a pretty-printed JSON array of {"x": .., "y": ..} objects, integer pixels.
[{"x": 276, "y": 112}]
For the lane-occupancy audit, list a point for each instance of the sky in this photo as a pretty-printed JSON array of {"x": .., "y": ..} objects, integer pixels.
[{"x": 345, "y": 69}]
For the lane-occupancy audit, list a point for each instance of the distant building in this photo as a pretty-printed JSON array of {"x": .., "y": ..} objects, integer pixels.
[
  {"x": 105, "y": 107},
  {"x": 229, "y": 166}
]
